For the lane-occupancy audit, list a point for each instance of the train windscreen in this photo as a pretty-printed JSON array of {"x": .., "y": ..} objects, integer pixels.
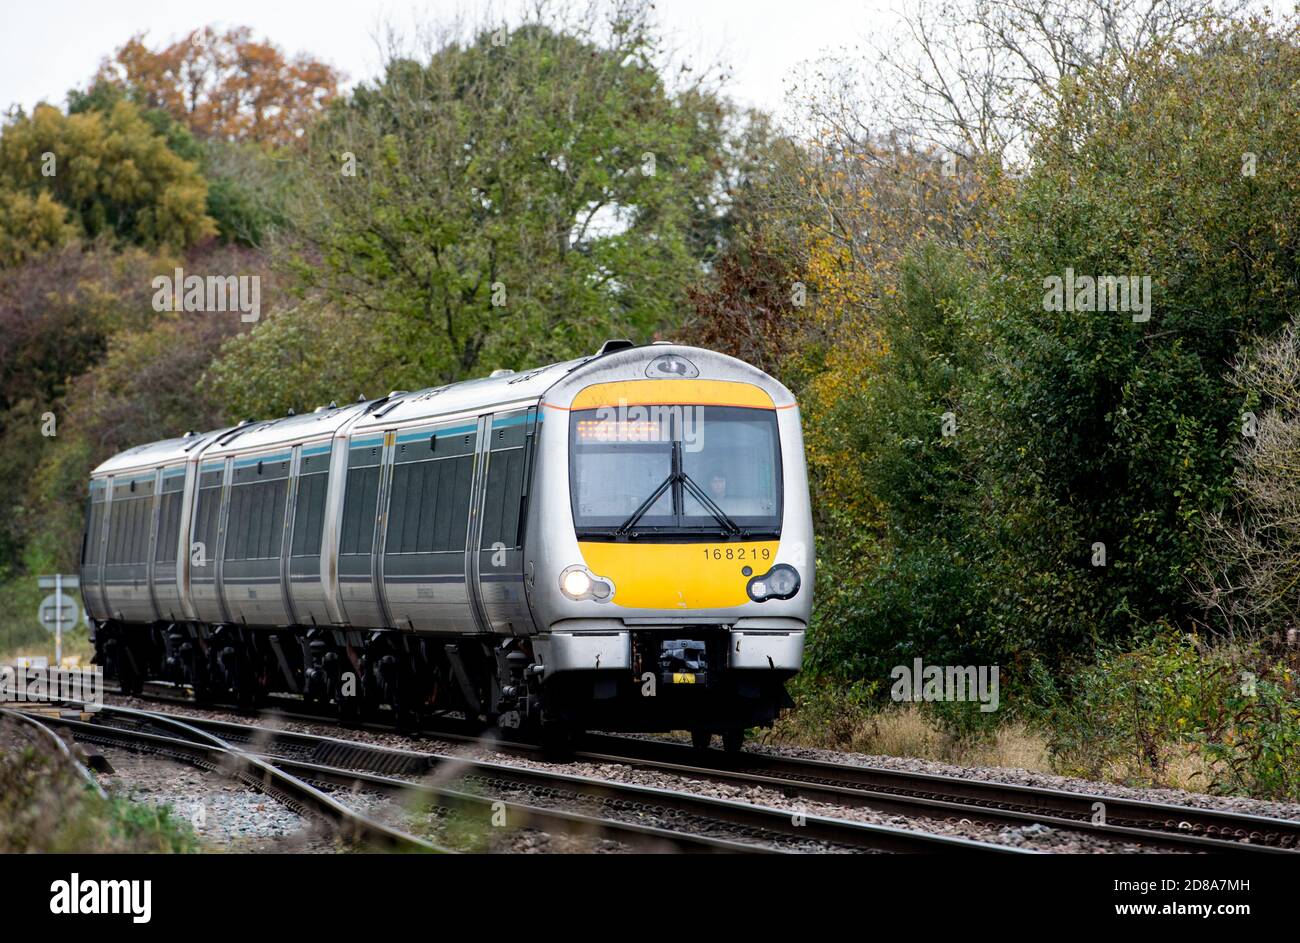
[{"x": 677, "y": 471}]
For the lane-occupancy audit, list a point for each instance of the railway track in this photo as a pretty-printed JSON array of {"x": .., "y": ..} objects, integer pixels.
[
  {"x": 164, "y": 735},
  {"x": 41, "y": 734},
  {"x": 645, "y": 817},
  {"x": 1165, "y": 826}
]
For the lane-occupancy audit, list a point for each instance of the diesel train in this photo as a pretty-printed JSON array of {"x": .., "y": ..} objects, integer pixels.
[{"x": 618, "y": 542}]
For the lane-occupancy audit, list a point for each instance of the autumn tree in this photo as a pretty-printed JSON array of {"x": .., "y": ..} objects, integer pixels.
[
  {"x": 109, "y": 172},
  {"x": 227, "y": 86}
]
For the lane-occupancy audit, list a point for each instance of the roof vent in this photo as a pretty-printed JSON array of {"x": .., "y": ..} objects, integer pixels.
[
  {"x": 291, "y": 412},
  {"x": 361, "y": 398},
  {"x": 499, "y": 373},
  {"x": 611, "y": 346},
  {"x": 333, "y": 405}
]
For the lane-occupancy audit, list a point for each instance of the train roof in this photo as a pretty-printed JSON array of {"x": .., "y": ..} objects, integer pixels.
[
  {"x": 502, "y": 388},
  {"x": 153, "y": 454},
  {"x": 399, "y": 405}
]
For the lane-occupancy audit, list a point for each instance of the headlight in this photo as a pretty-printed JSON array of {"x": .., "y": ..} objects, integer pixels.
[
  {"x": 577, "y": 582},
  {"x": 780, "y": 582}
]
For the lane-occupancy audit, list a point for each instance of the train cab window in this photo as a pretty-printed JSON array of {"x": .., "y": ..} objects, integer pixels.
[
  {"x": 735, "y": 465},
  {"x": 677, "y": 471}
]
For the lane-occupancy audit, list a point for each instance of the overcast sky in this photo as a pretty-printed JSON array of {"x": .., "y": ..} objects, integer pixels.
[{"x": 48, "y": 48}]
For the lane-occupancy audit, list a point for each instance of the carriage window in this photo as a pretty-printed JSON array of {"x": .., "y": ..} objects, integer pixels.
[
  {"x": 429, "y": 508},
  {"x": 256, "y": 520},
  {"x": 359, "y": 499},
  {"x": 94, "y": 529},
  {"x": 308, "y": 518},
  {"x": 205, "y": 521},
  {"x": 169, "y": 527}
]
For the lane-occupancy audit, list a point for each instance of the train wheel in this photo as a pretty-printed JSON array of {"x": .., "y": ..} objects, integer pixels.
[
  {"x": 733, "y": 739},
  {"x": 701, "y": 739}
]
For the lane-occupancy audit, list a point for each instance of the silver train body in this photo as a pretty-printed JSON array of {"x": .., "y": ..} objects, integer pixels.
[{"x": 622, "y": 541}]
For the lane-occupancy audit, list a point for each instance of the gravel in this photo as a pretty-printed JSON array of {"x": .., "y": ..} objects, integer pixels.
[
  {"x": 224, "y": 814},
  {"x": 1000, "y": 774},
  {"x": 1032, "y": 836}
]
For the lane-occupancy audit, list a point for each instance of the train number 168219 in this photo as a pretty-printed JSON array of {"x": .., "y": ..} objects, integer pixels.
[{"x": 738, "y": 553}]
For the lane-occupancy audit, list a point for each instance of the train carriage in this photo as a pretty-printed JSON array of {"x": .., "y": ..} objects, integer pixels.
[{"x": 621, "y": 542}]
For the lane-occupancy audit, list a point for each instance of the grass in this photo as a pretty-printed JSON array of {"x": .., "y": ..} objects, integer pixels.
[
  {"x": 47, "y": 808},
  {"x": 845, "y": 719},
  {"x": 907, "y": 731}
]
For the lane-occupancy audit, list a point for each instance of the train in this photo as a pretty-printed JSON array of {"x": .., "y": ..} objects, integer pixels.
[{"x": 620, "y": 542}]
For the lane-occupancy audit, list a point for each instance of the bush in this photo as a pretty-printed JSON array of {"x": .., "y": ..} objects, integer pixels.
[{"x": 1138, "y": 712}]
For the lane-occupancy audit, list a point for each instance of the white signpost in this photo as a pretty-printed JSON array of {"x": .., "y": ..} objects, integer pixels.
[{"x": 59, "y": 609}]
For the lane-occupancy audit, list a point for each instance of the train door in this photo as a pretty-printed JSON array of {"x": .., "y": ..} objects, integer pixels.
[
  {"x": 92, "y": 549},
  {"x": 358, "y": 532},
  {"x": 205, "y": 549},
  {"x": 496, "y": 555},
  {"x": 426, "y": 525}
]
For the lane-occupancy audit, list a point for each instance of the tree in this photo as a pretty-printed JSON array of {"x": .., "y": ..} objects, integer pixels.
[
  {"x": 747, "y": 308},
  {"x": 226, "y": 86},
  {"x": 510, "y": 201},
  {"x": 1112, "y": 431},
  {"x": 110, "y": 172},
  {"x": 30, "y": 226},
  {"x": 977, "y": 77},
  {"x": 1249, "y": 568}
]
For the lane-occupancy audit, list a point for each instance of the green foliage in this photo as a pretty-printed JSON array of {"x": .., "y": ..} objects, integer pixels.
[
  {"x": 1143, "y": 709},
  {"x": 111, "y": 172},
  {"x": 246, "y": 191},
  {"x": 511, "y": 205},
  {"x": 1123, "y": 432},
  {"x": 30, "y": 226},
  {"x": 304, "y": 357},
  {"x": 908, "y": 588},
  {"x": 1074, "y": 428}
]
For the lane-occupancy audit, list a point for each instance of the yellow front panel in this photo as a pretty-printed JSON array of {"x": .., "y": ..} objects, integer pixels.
[
  {"x": 672, "y": 393},
  {"x": 679, "y": 576}
]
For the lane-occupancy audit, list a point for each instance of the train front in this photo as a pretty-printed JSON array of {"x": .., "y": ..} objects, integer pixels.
[{"x": 671, "y": 573}]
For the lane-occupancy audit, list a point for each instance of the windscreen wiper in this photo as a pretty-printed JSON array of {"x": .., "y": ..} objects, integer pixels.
[
  {"x": 710, "y": 505},
  {"x": 646, "y": 505}
]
